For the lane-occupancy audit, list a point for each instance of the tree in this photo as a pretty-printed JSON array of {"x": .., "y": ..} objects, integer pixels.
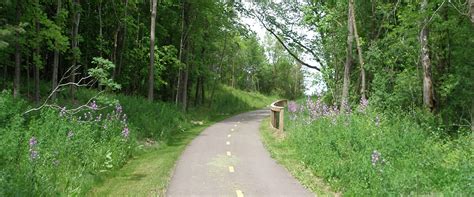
[
  {"x": 471, "y": 10},
  {"x": 151, "y": 66},
  {"x": 16, "y": 81},
  {"x": 348, "y": 63},
  {"x": 428, "y": 94},
  {"x": 57, "y": 49},
  {"x": 75, "y": 42},
  {"x": 359, "y": 52}
]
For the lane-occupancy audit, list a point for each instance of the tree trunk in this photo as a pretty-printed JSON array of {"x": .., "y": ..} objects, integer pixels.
[
  {"x": 182, "y": 91},
  {"x": 184, "y": 103},
  {"x": 75, "y": 33},
  {"x": 124, "y": 37},
  {"x": 428, "y": 94},
  {"x": 203, "y": 96},
  {"x": 37, "y": 66},
  {"x": 151, "y": 67},
  {"x": 16, "y": 80},
  {"x": 197, "y": 91},
  {"x": 180, "y": 55},
  {"x": 347, "y": 65},
  {"x": 28, "y": 77},
  {"x": 471, "y": 10},
  {"x": 100, "y": 28},
  {"x": 56, "y": 60},
  {"x": 373, "y": 24},
  {"x": 233, "y": 74},
  {"x": 359, "y": 52}
]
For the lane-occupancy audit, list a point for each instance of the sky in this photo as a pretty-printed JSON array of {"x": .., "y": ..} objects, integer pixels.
[{"x": 310, "y": 75}]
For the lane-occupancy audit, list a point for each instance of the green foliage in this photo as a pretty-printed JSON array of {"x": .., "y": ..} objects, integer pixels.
[
  {"x": 165, "y": 57},
  {"x": 371, "y": 153},
  {"x": 101, "y": 73},
  {"x": 174, "y": 130},
  {"x": 230, "y": 101},
  {"x": 56, "y": 153},
  {"x": 390, "y": 32}
]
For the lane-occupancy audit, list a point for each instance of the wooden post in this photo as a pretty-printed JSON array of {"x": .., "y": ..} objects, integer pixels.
[
  {"x": 272, "y": 118},
  {"x": 280, "y": 126},
  {"x": 278, "y": 106}
]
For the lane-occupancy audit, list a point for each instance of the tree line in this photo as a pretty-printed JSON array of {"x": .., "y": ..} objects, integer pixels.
[
  {"x": 175, "y": 51},
  {"x": 402, "y": 55}
]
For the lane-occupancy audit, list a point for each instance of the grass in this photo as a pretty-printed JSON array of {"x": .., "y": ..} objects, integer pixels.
[
  {"x": 286, "y": 155},
  {"x": 370, "y": 153},
  {"x": 103, "y": 152},
  {"x": 149, "y": 172}
]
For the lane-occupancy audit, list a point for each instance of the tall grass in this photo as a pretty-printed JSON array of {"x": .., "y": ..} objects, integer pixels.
[
  {"x": 369, "y": 153},
  {"x": 50, "y": 153}
]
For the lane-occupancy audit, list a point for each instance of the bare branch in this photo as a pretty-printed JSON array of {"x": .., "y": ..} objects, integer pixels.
[
  {"x": 69, "y": 72},
  {"x": 284, "y": 45}
]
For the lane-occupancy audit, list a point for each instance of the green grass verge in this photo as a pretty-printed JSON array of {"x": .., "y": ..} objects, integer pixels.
[
  {"x": 286, "y": 155},
  {"x": 149, "y": 172}
]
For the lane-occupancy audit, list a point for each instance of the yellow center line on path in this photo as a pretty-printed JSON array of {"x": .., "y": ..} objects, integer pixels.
[
  {"x": 239, "y": 193},
  {"x": 231, "y": 169},
  {"x": 235, "y": 125},
  {"x": 228, "y": 143},
  {"x": 231, "y": 129},
  {"x": 228, "y": 153},
  {"x": 229, "y": 135}
]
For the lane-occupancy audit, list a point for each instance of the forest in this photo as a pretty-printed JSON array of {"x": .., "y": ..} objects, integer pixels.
[{"x": 128, "y": 77}]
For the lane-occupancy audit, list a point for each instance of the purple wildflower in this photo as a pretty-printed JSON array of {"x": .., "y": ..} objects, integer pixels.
[
  {"x": 363, "y": 104},
  {"x": 63, "y": 111},
  {"x": 34, "y": 154},
  {"x": 98, "y": 118},
  {"x": 125, "y": 132},
  {"x": 377, "y": 121},
  {"x": 292, "y": 107},
  {"x": 33, "y": 142},
  {"x": 346, "y": 107},
  {"x": 118, "y": 109},
  {"x": 377, "y": 158},
  {"x": 325, "y": 110},
  {"x": 334, "y": 110},
  {"x": 70, "y": 134},
  {"x": 93, "y": 105},
  {"x": 124, "y": 121}
]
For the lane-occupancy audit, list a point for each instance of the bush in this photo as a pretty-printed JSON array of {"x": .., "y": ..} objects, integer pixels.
[
  {"x": 54, "y": 152},
  {"x": 58, "y": 153},
  {"x": 368, "y": 153}
]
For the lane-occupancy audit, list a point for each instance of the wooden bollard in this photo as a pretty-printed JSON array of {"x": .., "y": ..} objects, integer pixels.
[{"x": 278, "y": 106}]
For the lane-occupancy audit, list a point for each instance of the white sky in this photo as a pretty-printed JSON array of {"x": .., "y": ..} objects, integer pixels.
[{"x": 310, "y": 75}]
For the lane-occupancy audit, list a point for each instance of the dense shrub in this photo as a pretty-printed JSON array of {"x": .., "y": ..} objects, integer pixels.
[
  {"x": 366, "y": 153},
  {"x": 54, "y": 152},
  {"x": 59, "y": 153}
]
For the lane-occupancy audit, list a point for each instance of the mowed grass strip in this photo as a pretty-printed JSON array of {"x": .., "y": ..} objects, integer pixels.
[{"x": 149, "y": 173}]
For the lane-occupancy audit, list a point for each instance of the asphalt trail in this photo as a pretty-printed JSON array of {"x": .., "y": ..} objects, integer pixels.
[{"x": 229, "y": 159}]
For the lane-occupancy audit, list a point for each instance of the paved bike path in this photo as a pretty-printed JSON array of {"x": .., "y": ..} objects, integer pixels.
[{"x": 229, "y": 159}]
